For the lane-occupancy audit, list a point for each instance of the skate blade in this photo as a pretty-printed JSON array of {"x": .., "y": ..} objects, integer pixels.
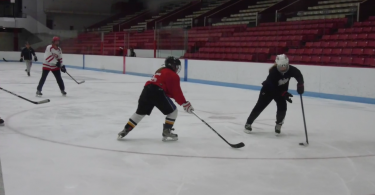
[
  {"x": 167, "y": 139},
  {"x": 247, "y": 131}
]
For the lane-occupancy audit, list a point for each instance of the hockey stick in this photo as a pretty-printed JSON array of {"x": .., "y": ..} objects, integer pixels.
[
  {"x": 304, "y": 122},
  {"x": 40, "y": 102},
  {"x": 74, "y": 79},
  {"x": 5, "y": 60},
  {"x": 239, "y": 145}
]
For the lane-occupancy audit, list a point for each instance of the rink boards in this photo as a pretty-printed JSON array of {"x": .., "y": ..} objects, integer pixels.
[{"x": 332, "y": 82}]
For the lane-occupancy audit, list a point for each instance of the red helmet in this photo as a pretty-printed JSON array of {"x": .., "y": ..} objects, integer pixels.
[{"x": 55, "y": 39}]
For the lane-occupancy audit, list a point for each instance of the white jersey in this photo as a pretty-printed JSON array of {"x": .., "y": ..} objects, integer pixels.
[{"x": 51, "y": 56}]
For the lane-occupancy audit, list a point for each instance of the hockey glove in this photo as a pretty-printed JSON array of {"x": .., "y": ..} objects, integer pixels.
[
  {"x": 21, "y": 60},
  {"x": 63, "y": 69},
  {"x": 188, "y": 107},
  {"x": 58, "y": 64},
  {"x": 35, "y": 58},
  {"x": 300, "y": 88},
  {"x": 287, "y": 96}
]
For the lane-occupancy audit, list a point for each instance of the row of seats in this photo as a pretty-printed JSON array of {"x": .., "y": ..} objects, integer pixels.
[
  {"x": 331, "y": 60},
  {"x": 341, "y": 44},
  {"x": 264, "y": 38},
  {"x": 364, "y": 24},
  {"x": 357, "y": 30},
  {"x": 364, "y": 36},
  {"x": 343, "y": 52},
  {"x": 231, "y": 57},
  {"x": 220, "y": 27},
  {"x": 246, "y": 44},
  {"x": 295, "y": 27},
  {"x": 205, "y": 35},
  {"x": 280, "y": 33},
  {"x": 297, "y": 23},
  {"x": 238, "y": 50}
]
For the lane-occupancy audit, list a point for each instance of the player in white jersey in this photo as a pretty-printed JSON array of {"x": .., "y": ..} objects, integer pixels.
[{"x": 52, "y": 62}]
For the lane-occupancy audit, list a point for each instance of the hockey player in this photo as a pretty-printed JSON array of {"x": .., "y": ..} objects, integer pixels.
[
  {"x": 26, "y": 54},
  {"x": 1, "y": 122},
  {"x": 52, "y": 62},
  {"x": 275, "y": 87},
  {"x": 165, "y": 84}
]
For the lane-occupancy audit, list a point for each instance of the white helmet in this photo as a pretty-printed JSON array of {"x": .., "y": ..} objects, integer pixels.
[{"x": 282, "y": 62}]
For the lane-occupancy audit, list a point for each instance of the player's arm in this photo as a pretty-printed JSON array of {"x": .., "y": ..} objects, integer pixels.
[
  {"x": 33, "y": 52},
  {"x": 21, "y": 59},
  {"x": 296, "y": 73},
  {"x": 174, "y": 88},
  {"x": 271, "y": 83}
]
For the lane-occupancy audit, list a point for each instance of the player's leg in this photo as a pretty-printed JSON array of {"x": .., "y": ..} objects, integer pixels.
[
  {"x": 281, "y": 113},
  {"x": 59, "y": 81},
  {"x": 41, "y": 82},
  {"x": 1, "y": 122},
  {"x": 264, "y": 99},
  {"x": 28, "y": 66},
  {"x": 145, "y": 107},
  {"x": 168, "y": 108}
]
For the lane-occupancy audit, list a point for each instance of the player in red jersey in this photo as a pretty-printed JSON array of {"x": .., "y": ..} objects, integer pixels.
[{"x": 165, "y": 84}]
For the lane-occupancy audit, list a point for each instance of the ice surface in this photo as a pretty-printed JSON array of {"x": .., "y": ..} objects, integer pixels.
[{"x": 69, "y": 145}]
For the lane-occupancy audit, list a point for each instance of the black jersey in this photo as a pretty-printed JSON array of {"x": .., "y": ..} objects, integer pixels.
[
  {"x": 278, "y": 82},
  {"x": 27, "y": 53}
]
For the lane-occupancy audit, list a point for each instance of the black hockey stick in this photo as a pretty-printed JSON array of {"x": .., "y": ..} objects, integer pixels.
[
  {"x": 239, "y": 145},
  {"x": 40, "y": 102},
  {"x": 74, "y": 79},
  {"x": 5, "y": 60},
  {"x": 304, "y": 122}
]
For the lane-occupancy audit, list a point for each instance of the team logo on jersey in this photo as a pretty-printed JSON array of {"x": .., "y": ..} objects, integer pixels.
[{"x": 283, "y": 81}]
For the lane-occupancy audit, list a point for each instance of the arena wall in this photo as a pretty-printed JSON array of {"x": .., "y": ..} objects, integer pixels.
[{"x": 331, "y": 82}]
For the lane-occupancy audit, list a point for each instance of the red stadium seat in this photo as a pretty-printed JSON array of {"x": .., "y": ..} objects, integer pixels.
[
  {"x": 353, "y": 36},
  {"x": 336, "y": 51},
  {"x": 362, "y": 44},
  {"x": 317, "y": 51},
  {"x": 336, "y": 60},
  {"x": 317, "y": 44},
  {"x": 369, "y": 52},
  {"x": 370, "y": 61},
  {"x": 358, "y": 61},
  {"x": 371, "y": 36},
  {"x": 347, "y": 52},
  {"x": 297, "y": 58},
  {"x": 327, "y": 51},
  {"x": 371, "y": 44},
  {"x": 334, "y": 44},
  {"x": 346, "y": 60},
  {"x": 326, "y": 60},
  {"x": 352, "y": 44},
  {"x": 325, "y": 44},
  {"x": 316, "y": 59},
  {"x": 309, "y": 44},
  {"x": 362, "y": 36},
  {"x": 357, "y": 51},
  {"x": 306, "y": 59},
  {"x": 292, "y": 51},
  {"x": 342, "y": 37},
  {"x": 307, "y": 51}
]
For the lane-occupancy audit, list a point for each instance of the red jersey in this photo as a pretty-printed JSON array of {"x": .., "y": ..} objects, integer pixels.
[{"x": 169, "y": 81}]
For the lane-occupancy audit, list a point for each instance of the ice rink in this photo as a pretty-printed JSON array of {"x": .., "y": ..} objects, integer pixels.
[{"x": 69, "y": 146}]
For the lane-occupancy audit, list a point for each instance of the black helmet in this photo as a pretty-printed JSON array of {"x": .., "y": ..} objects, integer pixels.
[{"x": 173, "y": 64}]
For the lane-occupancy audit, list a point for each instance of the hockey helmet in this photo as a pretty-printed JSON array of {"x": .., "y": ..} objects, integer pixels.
[
  {"x": 173, "y": 64},
  {"x": 282, "y": 63},
  {"x": 55, "y": 38}
]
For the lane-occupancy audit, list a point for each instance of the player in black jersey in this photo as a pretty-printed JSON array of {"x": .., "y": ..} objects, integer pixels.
[{"x": 275, "y": 87}]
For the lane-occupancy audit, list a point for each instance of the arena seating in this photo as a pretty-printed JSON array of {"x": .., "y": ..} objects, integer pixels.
[
  {"x": 328, "y": 10},
  {"x": 247, "y": 15},
  {"x": 349, "y": 46},
  {"x": 206, "y": 6},
  {"x": 260, "y": 42}
]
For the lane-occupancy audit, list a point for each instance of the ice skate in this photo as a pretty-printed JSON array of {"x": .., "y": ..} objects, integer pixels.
[
  {"x": 278, "y": 128},
  {"x": 168, "y": 135},
  {"x": 28, "y": 73},
  {"x": 248, "y": 128},
  {"x": 1, "y": 122},
  {"x": 38, "y": 93},
  {"x": 123, "y": 133},
  {"x": 63, "y": 92}
]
